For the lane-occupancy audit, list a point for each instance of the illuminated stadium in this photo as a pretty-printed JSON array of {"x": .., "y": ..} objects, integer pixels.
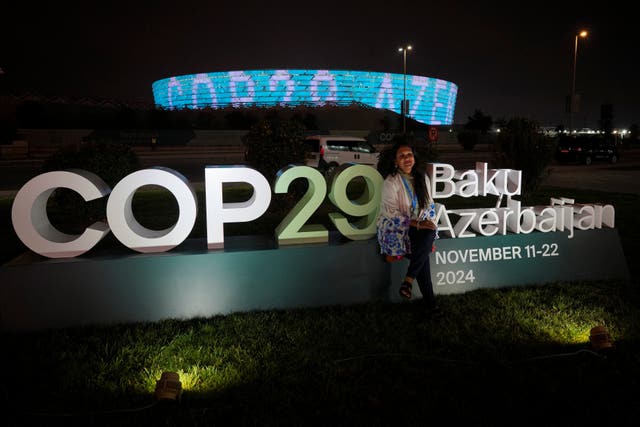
[{"x": 431, "y": 101}]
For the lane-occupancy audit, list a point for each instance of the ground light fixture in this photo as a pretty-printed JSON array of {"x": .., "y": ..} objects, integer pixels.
[
  {"x": 168, "y": 387},
  {"x": 600, "y": 338}
]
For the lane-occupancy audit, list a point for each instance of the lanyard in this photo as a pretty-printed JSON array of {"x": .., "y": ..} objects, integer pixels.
[{"x": 412, "y": 195}]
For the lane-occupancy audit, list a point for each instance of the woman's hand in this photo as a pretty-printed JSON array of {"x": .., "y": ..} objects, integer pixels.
[
  {"x": 427, "y": 224},
  {"x": 423, "y": 225}
]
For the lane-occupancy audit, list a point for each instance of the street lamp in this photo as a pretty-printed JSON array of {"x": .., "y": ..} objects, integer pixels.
[
  {"x": 404, "y": 91},
  {"x": 573, "y": 101}
]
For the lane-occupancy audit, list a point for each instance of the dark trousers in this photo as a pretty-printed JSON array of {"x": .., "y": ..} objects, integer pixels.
[{"x": 419, "y": 267}]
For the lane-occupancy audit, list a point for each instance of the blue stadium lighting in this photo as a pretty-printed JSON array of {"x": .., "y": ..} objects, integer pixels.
[{"x": 431, "y": 101}]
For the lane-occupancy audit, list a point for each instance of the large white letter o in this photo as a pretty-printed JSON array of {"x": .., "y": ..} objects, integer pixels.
[{"x": 137, "y": 237}]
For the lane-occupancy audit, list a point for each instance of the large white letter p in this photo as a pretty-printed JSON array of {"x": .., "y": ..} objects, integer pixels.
[{"x": 219, "y": 212}]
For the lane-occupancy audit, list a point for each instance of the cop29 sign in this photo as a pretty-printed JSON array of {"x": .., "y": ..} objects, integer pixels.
[
  {"x": 33, "y": 228},
  {"x": 430, "y": 100}
]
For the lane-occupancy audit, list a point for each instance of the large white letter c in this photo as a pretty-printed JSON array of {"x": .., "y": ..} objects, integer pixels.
[{"x": 31, "y": 223}]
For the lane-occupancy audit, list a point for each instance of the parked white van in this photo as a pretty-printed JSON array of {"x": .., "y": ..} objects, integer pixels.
[{"x": 327, "y": 152}]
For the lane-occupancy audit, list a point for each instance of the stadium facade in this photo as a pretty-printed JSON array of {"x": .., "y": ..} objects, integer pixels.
[{"x": 430, "y": 100}]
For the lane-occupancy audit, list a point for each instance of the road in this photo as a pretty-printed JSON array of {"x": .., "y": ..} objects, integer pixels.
[
  {"x": 622, "y": 177},
  {"x": 15, "y": 173}
]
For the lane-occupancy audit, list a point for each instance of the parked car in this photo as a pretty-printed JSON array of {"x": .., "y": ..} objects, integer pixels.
[
  {"x": 327, "y": 152},
  {"x": 586, "y": 149}
]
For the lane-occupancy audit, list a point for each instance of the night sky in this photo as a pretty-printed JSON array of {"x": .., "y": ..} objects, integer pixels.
[{"x": 508, "y": 60}]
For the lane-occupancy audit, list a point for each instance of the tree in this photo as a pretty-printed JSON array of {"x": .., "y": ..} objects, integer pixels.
[
  {"x": 475, "y": 130},
  {"x": 521, "y": 145},
  {"x": 479, "y": 122}
]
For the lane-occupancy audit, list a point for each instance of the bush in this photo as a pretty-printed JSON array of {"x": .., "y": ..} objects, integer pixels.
[
  {"x": 468, "y": 139},
  {"x": 272, "y": 144},
  {"x": 110, "y": 161}
]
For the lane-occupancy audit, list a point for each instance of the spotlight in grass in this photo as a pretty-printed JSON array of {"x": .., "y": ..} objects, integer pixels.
[
  {"x": 600, "y": 338},
  {"x": 168, "y": 387}
]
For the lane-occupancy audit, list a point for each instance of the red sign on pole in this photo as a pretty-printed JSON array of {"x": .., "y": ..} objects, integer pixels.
[{"x": 432, "y": 135}]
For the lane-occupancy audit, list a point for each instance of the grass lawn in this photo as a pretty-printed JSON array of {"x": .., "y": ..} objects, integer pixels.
[{"x": 517, "y": 356}]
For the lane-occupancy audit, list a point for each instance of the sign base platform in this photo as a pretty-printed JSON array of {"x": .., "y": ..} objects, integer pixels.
[{"x": 253, "y": 273}]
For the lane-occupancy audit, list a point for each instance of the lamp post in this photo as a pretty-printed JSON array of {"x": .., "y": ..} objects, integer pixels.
[
  {"x": 404, "y": 50},
  {"x": 572, "y": 101}
]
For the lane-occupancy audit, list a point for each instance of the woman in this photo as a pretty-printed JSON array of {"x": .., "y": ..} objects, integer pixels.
[{"x": 406, "y": 225}]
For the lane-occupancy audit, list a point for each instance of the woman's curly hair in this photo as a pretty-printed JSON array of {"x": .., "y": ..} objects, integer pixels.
[{"x": 387, "y": 166}]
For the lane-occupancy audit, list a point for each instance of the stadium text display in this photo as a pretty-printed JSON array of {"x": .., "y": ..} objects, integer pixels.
[{"x": 430, "y": 100}]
